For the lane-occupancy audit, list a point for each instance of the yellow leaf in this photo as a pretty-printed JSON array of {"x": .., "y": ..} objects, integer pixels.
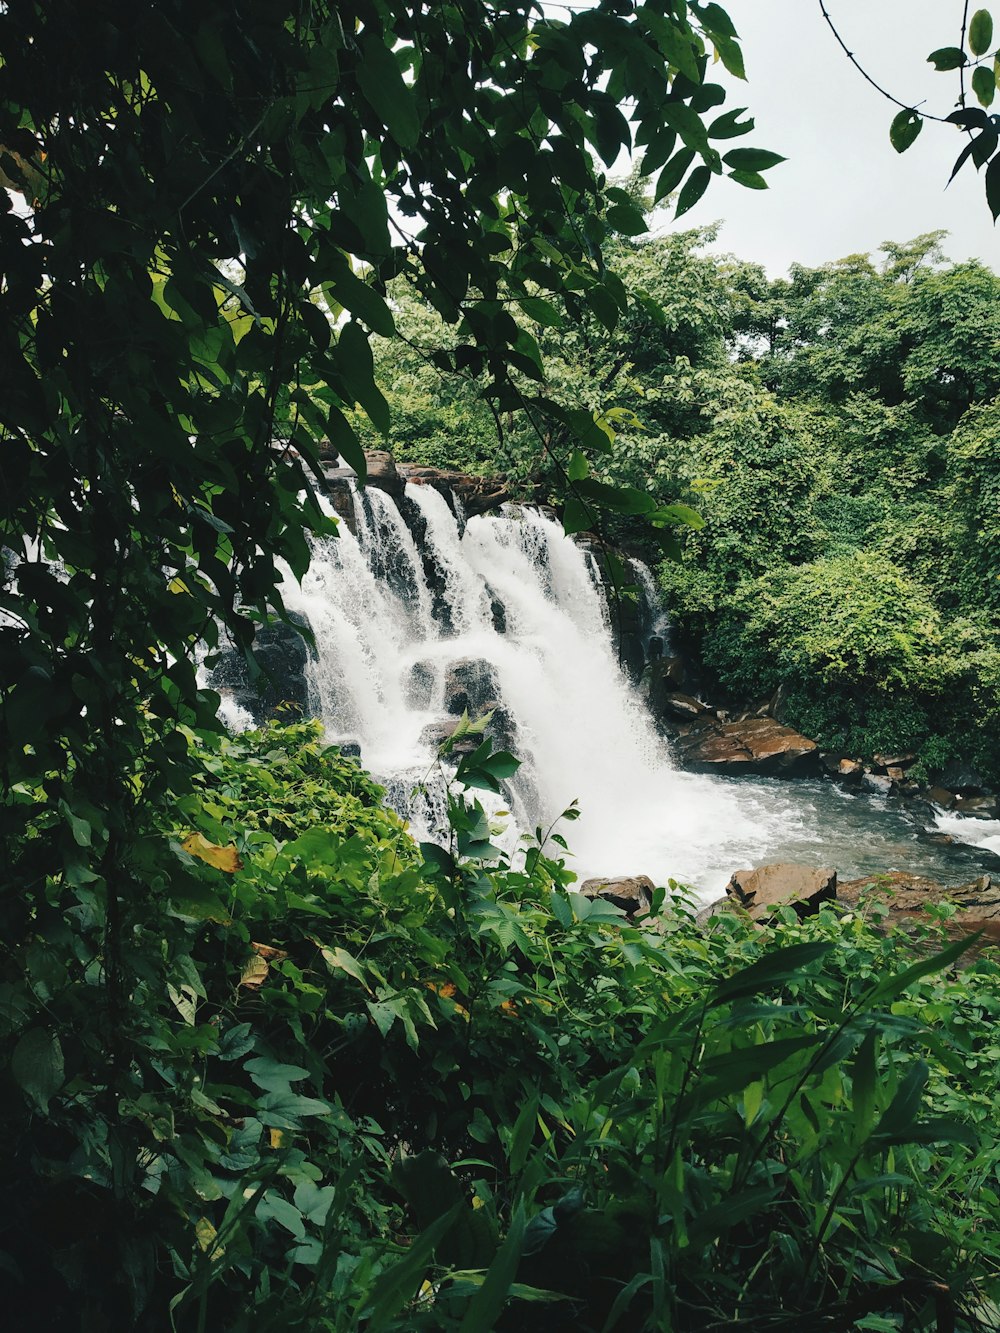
[
  {"x": 258, "y": 965},
  {"x": 255, "y": 973},
  {"x": 206, "y": 1234},
  {"x": 277, "y": 1137},
  {"x": 222, "y": 858}
]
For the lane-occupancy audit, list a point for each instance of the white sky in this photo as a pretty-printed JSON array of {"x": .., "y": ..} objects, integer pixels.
[{"x": 844, "y": 188}]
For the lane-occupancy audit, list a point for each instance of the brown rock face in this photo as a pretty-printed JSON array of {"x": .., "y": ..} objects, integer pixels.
[
  {"x": 683, "y": 706},
  {"x": 761, "y": 891},
  {"x": 632, "y": 893},
  {"x": 908, "y": 897},
  {"x": 477, "y": 494},
  {"x": 758, "y": 745}
]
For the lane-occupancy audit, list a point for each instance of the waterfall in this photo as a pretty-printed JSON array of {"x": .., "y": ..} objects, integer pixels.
[
  {"x": 419, "y": 614},
  {"x": 508, "y": 614}
]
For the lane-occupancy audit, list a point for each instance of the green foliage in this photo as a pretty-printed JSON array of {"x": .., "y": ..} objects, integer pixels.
[
  {"x": 374, "y": 1090},
  {"x": 202, "y": 213}
]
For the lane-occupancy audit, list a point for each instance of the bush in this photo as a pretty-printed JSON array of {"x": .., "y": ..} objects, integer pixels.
[{"x": 370, "y": 1088}]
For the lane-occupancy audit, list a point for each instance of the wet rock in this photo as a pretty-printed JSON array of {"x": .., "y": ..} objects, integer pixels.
[
  {"x": 435, "y": 734},
  {"x": 941, "y": 797},
  {"x": 980, "y": 807},
  {"x": 879, "y": 784},
  {"x": 962, "y": 779},
  {"x": 759, "y": 746},
  {"x": 383, "y": 473},
  {"x": 662, "y": 678},
  {"x": 844, "y": 769},
  {"x": 279, "y": 685},
  {"x": 632, "y": 893},
  {"x": 352, "y": 749},
  {"x": 501, "y": 727},
  {"x": 470, "y": 684},
  {"x": 342, "y": 500},
  {"x": 420, "y": 685},
  {"x": 760, "y": 892},
  {"x": 887, "y": 761},
  {"x": 778, "y": 703},
  {"x": 683, "y": 706},
  {"x": 476, "y": 495}
]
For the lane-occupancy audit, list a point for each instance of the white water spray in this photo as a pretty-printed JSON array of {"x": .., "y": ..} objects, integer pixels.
[{"x": 516, "y": 596}]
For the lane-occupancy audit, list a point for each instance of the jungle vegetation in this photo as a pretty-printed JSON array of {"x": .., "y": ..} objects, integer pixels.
[
  {"x": 266, "y": 1064},
  {"x": 835, "y": 431}
]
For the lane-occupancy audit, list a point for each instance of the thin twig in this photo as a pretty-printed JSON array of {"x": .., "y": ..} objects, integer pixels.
[{"x": 904, "y": 106}]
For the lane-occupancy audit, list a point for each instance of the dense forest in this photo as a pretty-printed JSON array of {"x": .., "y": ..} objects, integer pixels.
[
  {"x": 269, "y": 1064},
  {"x": 835, "y": 430}
]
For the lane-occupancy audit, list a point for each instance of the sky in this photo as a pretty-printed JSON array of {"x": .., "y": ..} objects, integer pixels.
[{"x": 844, "y": 189}]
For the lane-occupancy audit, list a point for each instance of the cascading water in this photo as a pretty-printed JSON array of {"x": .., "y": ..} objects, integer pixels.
[{"x": 516, "y": 606}]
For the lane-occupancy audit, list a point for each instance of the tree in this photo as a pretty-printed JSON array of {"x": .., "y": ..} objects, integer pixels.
[{"x": 212, "y": 201}]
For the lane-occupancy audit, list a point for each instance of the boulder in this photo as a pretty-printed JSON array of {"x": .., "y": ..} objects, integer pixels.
[
  {"x": 907, "y": 898},
  {"x": 963, "y": 779},
  {"x": 383, "y": 473},
  {"x": 888, "y": 761},
  {"x": 940, "y": 796},
  {"x": 632, "y": 893},
  {"x": 662, "y": 679},
  {"x": 879, "y": 784},
  {"x": 980, "y": 807},
  {"x": 469, "y": 686},
  {"x": 280, "y": 686},
  {"x": 683, "y": 706},
  {"x": 759, "y": 746},
  {"x": 761, "y": 891}
]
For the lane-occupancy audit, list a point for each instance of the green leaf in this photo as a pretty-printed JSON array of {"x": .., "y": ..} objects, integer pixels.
[
  {"x": 980, "y": 32},
  {"x": 339, "y": 960},
  {"x": 284, "y": 1110},
  {"x": 905, "y": 127},
  {"x": 436, "y": 859},
  {"x": 354, "y": 357},
  {"x": 37, "y": 1066},
  {"x": 577, "y": 517},
  {"x": 730, "y": 54},
  {"x": 694, "y": 187},
  {"x": 578, "y": 466},
  {"x": 892, "y": 986},
  {"x": 752, "y": 159},
  {"x": 626, "y": 219},
  {"x": 542, "y": 312},
  {"x": 774, "y": 969},
  {"x": 863, "y": 1085},
  {"x": 344, "y": 439},
  {"x": 385, "y": 90},
  {"x": 948, "y": 57},
  {"x": 397, "y": 1285},
  {"x": 729, "y": 125},
  {"x": 750, "y": 179},
  {"x": 363, "y": 301},
  {"x": 272, "y": 1075},
  {"x": 620, "y": 499},
  {"x": 673, "y": 173},
  {"x": 487, "y": 1305},
  {"x": 993, "y": 187},
  {"x": 984, "y": 84},
  {"x": 899, "y": 1115}
]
